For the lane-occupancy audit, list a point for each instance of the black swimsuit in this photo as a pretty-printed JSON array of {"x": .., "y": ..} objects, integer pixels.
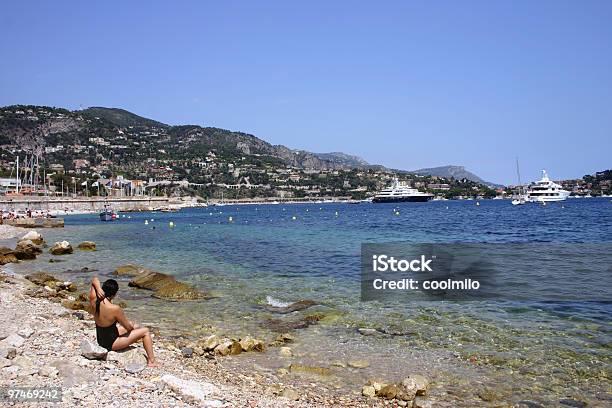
[{"x": 107, "y": 335}]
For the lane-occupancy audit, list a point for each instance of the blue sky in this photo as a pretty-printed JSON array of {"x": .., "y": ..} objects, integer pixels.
[{"x": 403, "y": 84}]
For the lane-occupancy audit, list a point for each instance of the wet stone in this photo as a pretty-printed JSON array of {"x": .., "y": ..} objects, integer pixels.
[{"x": 573, "y": 403}]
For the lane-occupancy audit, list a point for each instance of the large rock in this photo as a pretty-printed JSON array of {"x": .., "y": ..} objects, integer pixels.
[
  {"x": 77, "y": 305},
  {"x": 92, "y": 351},
  {"x": 165, "y": 286},
  {"x": 388, "y": 392},
  {"x": 33, "y": 236},
  {"x": 7, "y": 255},
  {"x": 228, "y": 348},
  {"x": 132, "y": 360},
  {"x": 417, "y": 382},
  {"x": 189, "y": 390},
  {"x": 407, "y": 389},
  {"x": 8, "y": 352},
  {"x": 209, "y": 343},
  {"x": 368, "y": 391},
  {"x": 26, "y": 249},
  {"x": 87, "y": 246},
  {"x": 14, "y": 340},
  {"x": 61, "y": 248},
  {"x": 293, "y": 307},
  {"x": 71, "y": 374},
  {"x": 251, "y": 344}
]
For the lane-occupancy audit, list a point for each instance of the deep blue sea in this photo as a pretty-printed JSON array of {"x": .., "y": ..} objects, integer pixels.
[{"x": 251, "y": 255}]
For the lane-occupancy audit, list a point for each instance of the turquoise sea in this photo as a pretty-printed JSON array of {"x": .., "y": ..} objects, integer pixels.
[{"x": 254, "y": 255}]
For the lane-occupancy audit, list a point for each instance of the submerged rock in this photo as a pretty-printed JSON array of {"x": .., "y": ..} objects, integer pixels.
[
  {"x": 178, "y": 291},
  {"x": 358, "y": 363},
  {"x": 92, "y": 351},
  {"x": 279, "y": 325},
  {"x": 307, "y": 369},
  {"x": 573, "y": 403},
  {"x": 61, "y": 248},
  {"x": 165, "y": 286},
  {"x": 87, "y": 246},
  {"x": 282, "y": 339},
  {"x": 293, "y": 307},
  {"x": 129, "y": 270},
  {"x": 367, "y": 332}
]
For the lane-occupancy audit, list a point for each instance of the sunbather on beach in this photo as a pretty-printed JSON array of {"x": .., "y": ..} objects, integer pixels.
[{"x": 113, "y": 330}]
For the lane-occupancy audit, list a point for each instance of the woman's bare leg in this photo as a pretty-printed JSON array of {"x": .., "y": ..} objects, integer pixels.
[{"x": 132, "y": 337}]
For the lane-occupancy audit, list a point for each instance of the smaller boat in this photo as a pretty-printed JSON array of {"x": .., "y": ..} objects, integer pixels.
[{"x": 107, "y": 214}]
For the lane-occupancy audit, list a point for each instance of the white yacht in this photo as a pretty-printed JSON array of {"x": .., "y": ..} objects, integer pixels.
[
  {"x": 546, "y": 190},
  {"x": 400, "y": 192}
]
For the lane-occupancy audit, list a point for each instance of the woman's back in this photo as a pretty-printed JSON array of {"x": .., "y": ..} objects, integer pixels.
[{"x": 106, "y": 316}]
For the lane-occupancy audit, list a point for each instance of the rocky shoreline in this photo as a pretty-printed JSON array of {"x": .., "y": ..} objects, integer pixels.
[
  {"x": 43, "y": 344},
  {"x": 47, "y": 338}
]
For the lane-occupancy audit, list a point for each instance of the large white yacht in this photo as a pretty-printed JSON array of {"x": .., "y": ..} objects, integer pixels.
[
  {"x": 400, "y": 192},
  {"x": 546, "y": 190}
]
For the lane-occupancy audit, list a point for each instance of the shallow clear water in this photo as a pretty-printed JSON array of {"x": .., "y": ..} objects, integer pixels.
[{"x": 545, "y": 350}]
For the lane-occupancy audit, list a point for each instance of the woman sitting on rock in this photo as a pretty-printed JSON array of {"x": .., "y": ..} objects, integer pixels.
[{"x": 107, "y": 315}]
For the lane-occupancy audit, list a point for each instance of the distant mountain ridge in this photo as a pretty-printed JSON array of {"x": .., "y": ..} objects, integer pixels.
[
  {"x": 343, "y": 158},
  {"x": 457, "y": 172},
  {"x": 184, "y": 141}
]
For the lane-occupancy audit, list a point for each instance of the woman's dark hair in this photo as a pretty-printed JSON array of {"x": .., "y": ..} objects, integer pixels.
[{"x": 110, "y": 288}]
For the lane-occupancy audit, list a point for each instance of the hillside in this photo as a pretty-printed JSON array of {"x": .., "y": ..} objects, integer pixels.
[{"x": 94, "y": 143}]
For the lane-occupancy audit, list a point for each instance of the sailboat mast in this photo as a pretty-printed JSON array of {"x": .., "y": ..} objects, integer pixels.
[
  {"x": 518, "y": 173},
  {"x": 18, "y": 179}
]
